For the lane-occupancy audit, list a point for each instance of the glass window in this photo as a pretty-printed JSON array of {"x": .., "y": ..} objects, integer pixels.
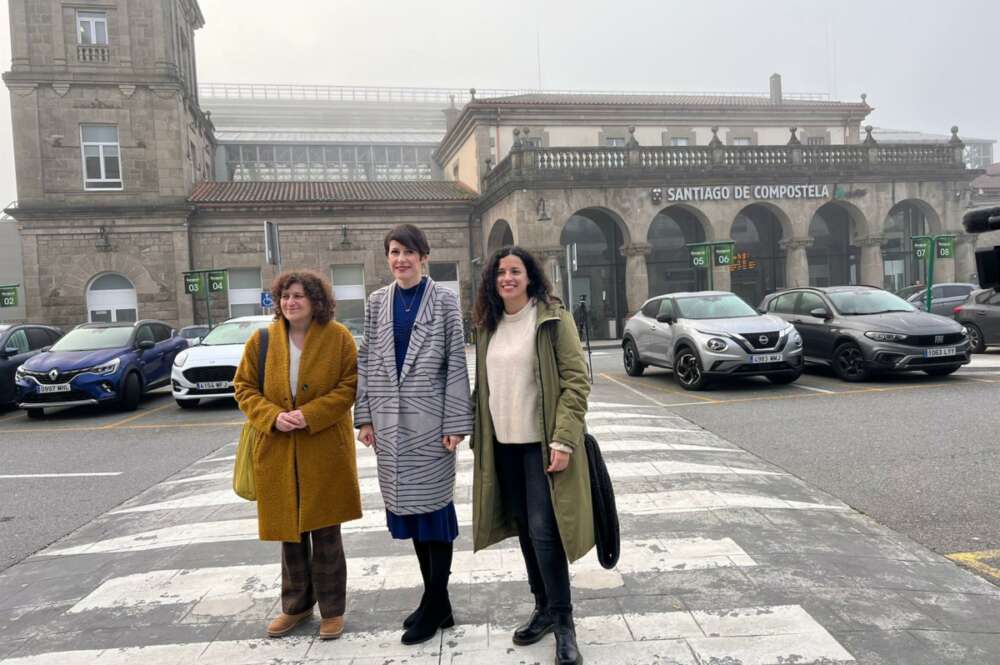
[
  {"x": 651, "y": 308},
  {"x": 937, "y": 292},
  {"x": 742, "y": 140},
  {"x": 808, "y": 302},
  {"x": 680, "y": 141},
  {"x": 161, "y": 333},
  {"x": 129, "y": 315},
  {"x": 666, "y": 307},
  {"x": 784, "y": 304},
  {"x": 37, "y": 338},
  {"x": 956, "y": 291},
  {"x": 18, "y": 340},
  {"x": 244, "y": 292},
  {"x": 92, "y": 28},
  {"x": 145, "y": 334},
  {"x": 237, "y": 332},
  {"x": 91, "y": 339},
  {"x": 713, "y": 307},
  {"x": 872, "y": 301},
  {"x": 349, "y": 292},
  {"x": 444, "y": 272},
  {"x": 101, "y": 159},
  {"x": 611, "y": 142}
]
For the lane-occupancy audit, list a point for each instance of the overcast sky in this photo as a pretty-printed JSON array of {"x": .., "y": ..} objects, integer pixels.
[{"x": 925, "y": 64}]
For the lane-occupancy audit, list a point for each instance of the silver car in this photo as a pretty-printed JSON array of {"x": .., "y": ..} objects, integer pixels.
[{"x": 709, "y": 334}]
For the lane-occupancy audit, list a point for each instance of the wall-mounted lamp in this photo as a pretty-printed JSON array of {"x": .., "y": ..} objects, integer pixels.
[
  {"x": 543, "y": 216},
  {"x": 344, "y": 242},
  {"x": 656, "y": 194},
  {"x": 102, "y": 243}
]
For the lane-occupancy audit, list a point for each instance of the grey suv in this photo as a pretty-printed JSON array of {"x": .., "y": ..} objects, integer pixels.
[
  {"x": 710, "y": 334},
  {"x": 859, "y": 330}
]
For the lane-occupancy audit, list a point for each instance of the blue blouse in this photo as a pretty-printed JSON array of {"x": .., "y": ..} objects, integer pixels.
[{"x": 403, "y": 318}]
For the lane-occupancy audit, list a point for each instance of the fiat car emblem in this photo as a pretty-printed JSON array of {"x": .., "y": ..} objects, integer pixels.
[
  {"x": 762, "y": 339},
  {"x": 54, "y": 374},
  {"x": 938, "y": 339}
]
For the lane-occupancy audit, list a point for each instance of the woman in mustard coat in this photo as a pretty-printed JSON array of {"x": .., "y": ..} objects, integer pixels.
[{"x": 305, "y": 469}]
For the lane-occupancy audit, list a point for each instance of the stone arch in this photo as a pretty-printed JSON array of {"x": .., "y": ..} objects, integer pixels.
[
  {"x": 906, "y": 218},
  {"x": 834, "y": 253},
  {"x": 110, "y": 297},
  {"x": 668, "y": 258},
  {"x": 761, "y": 231},
  {"x": 501, "y": 234}
]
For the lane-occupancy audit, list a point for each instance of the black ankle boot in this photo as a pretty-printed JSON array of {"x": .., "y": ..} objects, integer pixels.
[
  {"x": 538, "y": 625},
  {"x": 567, "y": 652}
]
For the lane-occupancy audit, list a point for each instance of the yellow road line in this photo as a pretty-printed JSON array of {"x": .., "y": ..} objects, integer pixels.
[
  {"x": 974, "y": 560},
  {"x": 142, "y": 414},
  {"x": 104, "y": 428}
]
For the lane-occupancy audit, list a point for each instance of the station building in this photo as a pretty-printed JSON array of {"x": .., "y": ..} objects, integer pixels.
[{"x": 131, "y": 173}]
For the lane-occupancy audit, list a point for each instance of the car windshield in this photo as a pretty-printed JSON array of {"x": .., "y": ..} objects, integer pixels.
[
  {"x": 871, "y": 301},
  {"x": 725, "y": 306},
  {"x": 191, "y": 333},
  {"x": 237, "y": 332},
  {"x": 910, "y": 290},
  {"x": 92, "y": 339}
]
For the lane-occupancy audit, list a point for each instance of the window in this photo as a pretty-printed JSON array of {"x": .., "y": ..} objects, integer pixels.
[
  {"x": 145, "y": 334},
  {"x": 38, "y": 337},
  {"x": 666, "y": 308},
  {"x": 19, "y": 341},
  {"x": 446, "y": 275},
  {"x": 535, "y": 142},
  {"x": 956, "y": 291},
  {"x": 92, "y": 28},
  {"x": 784, "y": 304},
  {"x": 651, "y": 308},
  {"x": 680, "y": 141},
  {"x": 742, "y": 140},
  {"x": 614, "y": 142},
  {"x": 808, "y": 302},
  {"x": 349, "y": 292},
  {"x": 101, "y": 159},
  {"x": 244, "y": 292},
  {"x": 161, "y": 333},
  {"x": 816, "y": 140},
  {"x": 111, "y": 297}
]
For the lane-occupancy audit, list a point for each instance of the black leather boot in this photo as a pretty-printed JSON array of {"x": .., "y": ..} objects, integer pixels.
[
  {"x": 436, "y": 611},
  {"x": 567, "y": 652},
  {"x": 538, "y": 625},
  {"x": 423, "y": 551}
]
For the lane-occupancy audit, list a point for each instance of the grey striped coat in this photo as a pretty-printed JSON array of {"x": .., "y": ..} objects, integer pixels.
[{"x": 411, "y": 414}]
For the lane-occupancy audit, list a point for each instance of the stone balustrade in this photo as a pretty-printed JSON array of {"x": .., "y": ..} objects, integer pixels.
[{"x": 90, "y": 53}]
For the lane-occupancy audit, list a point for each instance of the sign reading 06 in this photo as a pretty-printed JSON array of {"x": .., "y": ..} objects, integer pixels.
[
  {"x": 8, "y": 296},
  {"x": 723, "y": 254}
]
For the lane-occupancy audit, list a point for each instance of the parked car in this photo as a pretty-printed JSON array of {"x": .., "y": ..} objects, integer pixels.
[
  {"x": 194, "y": 334},
  {"x": 860, "y": 330},
  {"x": 99, "y": 363},
  {"x": 710, "y": 334},
  {"x": 944, "y": 297},
  {"x": 207, "y": 370},
  {"x": 18, "y": 343},
  {"x": 980, "y": 314}
]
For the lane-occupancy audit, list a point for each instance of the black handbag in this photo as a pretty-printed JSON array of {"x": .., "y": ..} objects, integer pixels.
[{"x": 607, "y": 532}]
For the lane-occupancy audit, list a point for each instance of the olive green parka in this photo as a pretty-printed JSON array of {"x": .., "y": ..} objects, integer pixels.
[{"x": 562, "y": 375}]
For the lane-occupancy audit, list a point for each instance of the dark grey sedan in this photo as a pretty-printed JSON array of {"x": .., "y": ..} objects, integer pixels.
[
  {"x": 980, "y": 315},
  {"x": 861, "y": 330},
  {"x": 18, "y": 343}
]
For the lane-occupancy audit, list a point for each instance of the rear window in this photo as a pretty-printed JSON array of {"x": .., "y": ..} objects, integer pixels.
[
  {"x": 956, "y": 291},
  {"x": 651, "y": 308}
]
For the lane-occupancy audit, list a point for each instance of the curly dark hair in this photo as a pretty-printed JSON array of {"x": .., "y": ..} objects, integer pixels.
[
  {"x": 489, "y": 304},
  {"x": 317, "y": 289}
]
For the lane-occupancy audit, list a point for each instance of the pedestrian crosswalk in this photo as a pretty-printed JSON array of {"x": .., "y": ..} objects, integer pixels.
[{"x": 187, "y": 549}]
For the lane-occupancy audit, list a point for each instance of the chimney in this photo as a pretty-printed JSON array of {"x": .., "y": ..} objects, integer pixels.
[
  {"x": 775, "y": 88},
  {"x": 450, "y": 115}
]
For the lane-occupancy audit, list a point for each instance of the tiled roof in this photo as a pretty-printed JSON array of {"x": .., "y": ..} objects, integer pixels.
[
  {"x": 990, "y": 179},
  {"x": 588, "y": 99},
  {"x": 329, "y": 192}
]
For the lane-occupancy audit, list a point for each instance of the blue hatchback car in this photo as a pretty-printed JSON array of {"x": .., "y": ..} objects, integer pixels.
[{"x": 99, "y": 363}]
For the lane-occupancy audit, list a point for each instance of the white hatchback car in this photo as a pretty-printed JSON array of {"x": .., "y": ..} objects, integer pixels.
[{"x": 206, "y": 371}]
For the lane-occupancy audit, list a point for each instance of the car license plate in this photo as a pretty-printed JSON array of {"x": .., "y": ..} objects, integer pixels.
[
  {"x": 213, "y": 385},
  {"x": 766, "y": 358},
  {"x": 939, "y": 353},
  {"x": 58, "y": 388}
]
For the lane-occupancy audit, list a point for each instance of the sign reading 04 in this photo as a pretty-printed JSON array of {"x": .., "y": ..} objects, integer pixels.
[{"x": 217, "y": 281}]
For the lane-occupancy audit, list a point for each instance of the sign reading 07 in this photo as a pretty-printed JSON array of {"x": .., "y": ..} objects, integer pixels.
[
  {"x": 8, "y": 296},
  {"x": 921, "y": 247}
]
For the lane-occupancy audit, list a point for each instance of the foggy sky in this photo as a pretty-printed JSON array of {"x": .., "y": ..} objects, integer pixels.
[{"x": 923, "y": 64}]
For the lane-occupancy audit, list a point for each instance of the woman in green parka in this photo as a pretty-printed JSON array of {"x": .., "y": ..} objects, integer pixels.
[{"x": 530, "y": 476}]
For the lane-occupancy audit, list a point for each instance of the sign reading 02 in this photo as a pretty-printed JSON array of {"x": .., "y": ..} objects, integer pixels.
[{"x": 8, "y": 296}]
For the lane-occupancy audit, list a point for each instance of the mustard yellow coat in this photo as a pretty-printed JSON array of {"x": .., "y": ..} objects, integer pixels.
[{"x": 306, "y": 479}]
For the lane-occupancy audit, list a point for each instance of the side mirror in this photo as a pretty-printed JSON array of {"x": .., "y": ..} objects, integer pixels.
[
  {"x": 10, "y": 352},
  {"x": 146, "y": 345},
  {"x": 46, "y": 348},
  {"x": 820, "y": 313},
  {"x": 665, "y": 318}
]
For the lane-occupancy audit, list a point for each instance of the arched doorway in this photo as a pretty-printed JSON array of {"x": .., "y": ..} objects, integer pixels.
[
  {"x": 901, "y": 267},
  {"x": 600, "y": 270},
  {"x": 110, "y": 298},
  {"x": 759, "y": 262},
  {"x": 669, "y": 261},
  {"x": 833, "y": 261},
  {"x": 501, "y": 235}
]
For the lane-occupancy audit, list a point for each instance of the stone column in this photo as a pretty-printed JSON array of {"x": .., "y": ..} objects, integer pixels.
[
  {"x": 796, "y": 261},
  {"x": 965, "y": 257},
  {"x": 636, "y": 273},
  {"x": 872, "y": 267}
]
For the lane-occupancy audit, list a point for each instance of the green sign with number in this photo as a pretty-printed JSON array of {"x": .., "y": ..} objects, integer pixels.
[
  {"x": 946, "y": 247},
  {"x": 194, "y": 283},
  {"x": 218, "y": 281},
  {"x": 8, "y": 296},
  {"x": 921, "y": 247},
  {"x": 699, "y": 256},
  {"x": 723, "y": 254}
]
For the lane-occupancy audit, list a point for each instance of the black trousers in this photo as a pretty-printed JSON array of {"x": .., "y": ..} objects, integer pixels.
[
  {"x": 314, "y": 569},
  {"x": 524, "y": 490}
]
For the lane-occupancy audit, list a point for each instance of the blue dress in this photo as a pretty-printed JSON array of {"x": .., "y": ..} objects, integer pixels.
[{"x": 442, "y": 524}]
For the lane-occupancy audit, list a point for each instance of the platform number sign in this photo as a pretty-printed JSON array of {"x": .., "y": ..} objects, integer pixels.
[
  {"x": 723, "y": 255},
  {"x": 946, "y": 247},
  {"x": 921, "y": 247},
  {"x": 8, "y": 296},
  {"x": 699, "y": 256},
  {"x": 194, "y": 283},
  {"x": 217, "y": 281}
]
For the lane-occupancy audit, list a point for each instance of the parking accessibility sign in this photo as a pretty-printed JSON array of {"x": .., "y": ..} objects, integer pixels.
[{"x": 266, "y": 301}]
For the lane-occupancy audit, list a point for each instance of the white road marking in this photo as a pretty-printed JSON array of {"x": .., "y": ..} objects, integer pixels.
[
  {"x": 96, "y": 474},
  {"x": 616, "y": 405},
  {"x": 648, "y": 429},
  {"x": 750, "y": 636},
  {"x": 227, "y": 458},
  {"x": 615, "y": 415},
  {"x": 812, "y": 388}
]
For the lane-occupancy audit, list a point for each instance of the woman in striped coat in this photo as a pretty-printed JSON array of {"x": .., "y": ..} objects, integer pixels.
[{"x": 413, "y": 406}]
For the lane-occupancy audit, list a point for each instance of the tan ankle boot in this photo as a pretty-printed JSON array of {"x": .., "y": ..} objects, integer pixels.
[
  {"x": 331, "y": 629},
  {"x": 285, "y": 623}
]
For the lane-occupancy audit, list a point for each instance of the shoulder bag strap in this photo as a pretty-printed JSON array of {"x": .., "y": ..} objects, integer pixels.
[{"x": 262, "y": 359}]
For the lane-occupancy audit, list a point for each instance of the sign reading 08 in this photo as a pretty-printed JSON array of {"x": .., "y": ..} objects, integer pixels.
[
  {"x": 945, "y": 247},
  {"x": 8, "y": 296}
]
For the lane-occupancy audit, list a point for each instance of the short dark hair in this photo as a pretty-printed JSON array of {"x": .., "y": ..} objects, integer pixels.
[
  {"x": 317, "y": 289},
  {"x": 489, "y": 304},
  {"x": 408, "y": 236}
]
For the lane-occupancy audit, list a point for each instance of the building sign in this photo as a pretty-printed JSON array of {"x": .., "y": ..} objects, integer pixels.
[
  {"x": 8, "y": 296},
  {"x": 217, "y": 281},
  {"x": 699, "y": 256},
  {"x": 921, "y": 247},
  {"x": 945, "y": 247},
  {"x": 723, "y": 254},
  {"x": 746, "y": 192},
  {"x": 194, "y": 283}
]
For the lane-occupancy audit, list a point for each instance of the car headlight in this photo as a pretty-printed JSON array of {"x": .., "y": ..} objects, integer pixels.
[
  {"x": 965, "y": 331},
  {"x": 19, "y": 373},
  {"x": 180, "y": 359},
  {"x": 794, "y": 337},
  {"x": 717, "y": 344},
  {"x": 106, "y": 368},
  {"x": 885, "y": 336}
]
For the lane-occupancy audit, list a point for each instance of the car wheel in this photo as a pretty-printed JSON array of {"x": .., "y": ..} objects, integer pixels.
[
  {"x": 976, "y": 343},
  {"x": 783, "y": 378},
  {"x": 688, "y": 371},
  {"x": 187, "y": 403},
  {"x": 941, "y": 371},
  {"x": 35, "y": 413},
  {"x": 131, "y": 392},
  {"x": 849, "y": 363},
  {"x": 630, "y": 356}
]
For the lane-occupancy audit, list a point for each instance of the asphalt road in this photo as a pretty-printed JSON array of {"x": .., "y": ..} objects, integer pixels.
[
  {"x": 143, "y": 447},
  {"x": 918, "y": 454}
]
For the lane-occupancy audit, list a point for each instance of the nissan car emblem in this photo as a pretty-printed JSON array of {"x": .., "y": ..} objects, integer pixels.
[{"x": 762, "y": 339}]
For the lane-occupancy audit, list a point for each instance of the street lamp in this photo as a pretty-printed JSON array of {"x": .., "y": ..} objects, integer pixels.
[{"x": 543, "y": 216}]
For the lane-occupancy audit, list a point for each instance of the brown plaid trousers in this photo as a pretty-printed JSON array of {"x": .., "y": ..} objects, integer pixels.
[{"x": 314, "y": 569}]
